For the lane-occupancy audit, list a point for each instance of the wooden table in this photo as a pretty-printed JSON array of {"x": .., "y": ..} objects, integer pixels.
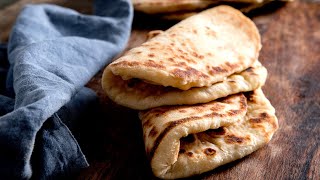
[{"x": 291, "y": 52}]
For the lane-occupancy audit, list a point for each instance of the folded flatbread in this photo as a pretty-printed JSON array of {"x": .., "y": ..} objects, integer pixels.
[
  {"x": 203, "y": 50},
  {"x": 137, "y": 94},
  {"x": 182, "y": 141}
]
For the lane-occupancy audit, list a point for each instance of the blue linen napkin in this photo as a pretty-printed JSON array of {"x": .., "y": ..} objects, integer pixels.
[{"x": 53, "y": 52}]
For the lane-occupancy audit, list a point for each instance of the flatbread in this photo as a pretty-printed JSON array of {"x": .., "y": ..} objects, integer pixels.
[
  {"x": 137, "y": 94},
  {"x": 241, "y": 6},
  {"x": 182, "y": 9},
  {"x": 183, "y": 141},
  {"x": 161, "y": 6},
  {"x": 170, "y": 6},
  {"x": 199, "y": 51}
]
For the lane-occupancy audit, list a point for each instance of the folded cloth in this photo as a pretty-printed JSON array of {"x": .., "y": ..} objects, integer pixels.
[{"x": 53, "y": 52}]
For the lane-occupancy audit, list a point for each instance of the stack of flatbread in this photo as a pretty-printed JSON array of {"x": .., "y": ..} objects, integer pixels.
[
  {"x": 181, "y": 9},
  {"x": 198, "y": 88}
]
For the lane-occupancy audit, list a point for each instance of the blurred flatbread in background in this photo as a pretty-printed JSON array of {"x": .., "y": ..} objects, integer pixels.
[
  {"x": 243, "y": 7},
  {"x": 182, "y": 9},
  {"x": 167, "y": 6}
]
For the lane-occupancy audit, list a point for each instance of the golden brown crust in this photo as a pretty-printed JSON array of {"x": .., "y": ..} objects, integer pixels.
[
  {"x": 197, "y": 52},
  {"x": 218, "y": 109},
  {"x": 198, "y": 138},
  {"x": 137, "y": 94}
]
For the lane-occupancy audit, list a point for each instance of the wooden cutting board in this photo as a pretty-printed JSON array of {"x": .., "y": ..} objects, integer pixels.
[{"x": 291, "y": 52}]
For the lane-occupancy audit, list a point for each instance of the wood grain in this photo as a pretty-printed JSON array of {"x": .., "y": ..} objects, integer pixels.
[{"x": 290, "y": 34}]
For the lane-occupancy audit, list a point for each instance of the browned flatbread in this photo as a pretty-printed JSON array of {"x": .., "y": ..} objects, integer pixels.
[
  {"x": 243, "y": 7},
  {"x": 200, "y": 59},
  {"x": 140, "y": 95},
  {"x": 181, "y": 9},
  {"x": 197, "y": 52},
  {"x": 161, "y": 6},
  {"x": 182, "y": 141},
  {"x": 190, "y": 67}
]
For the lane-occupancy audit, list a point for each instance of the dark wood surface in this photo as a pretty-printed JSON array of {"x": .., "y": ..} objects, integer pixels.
[{"x": 291, "y": 52}]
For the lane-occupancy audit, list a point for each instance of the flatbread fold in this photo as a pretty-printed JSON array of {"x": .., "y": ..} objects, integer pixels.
[
  {"x": 197, "y": 52},
  {"x": 182, "y": 141},
  {"x": 198, "y": 85},
  {"x": 210, "y": 48},
  {"x": 137, "y": 94}
]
